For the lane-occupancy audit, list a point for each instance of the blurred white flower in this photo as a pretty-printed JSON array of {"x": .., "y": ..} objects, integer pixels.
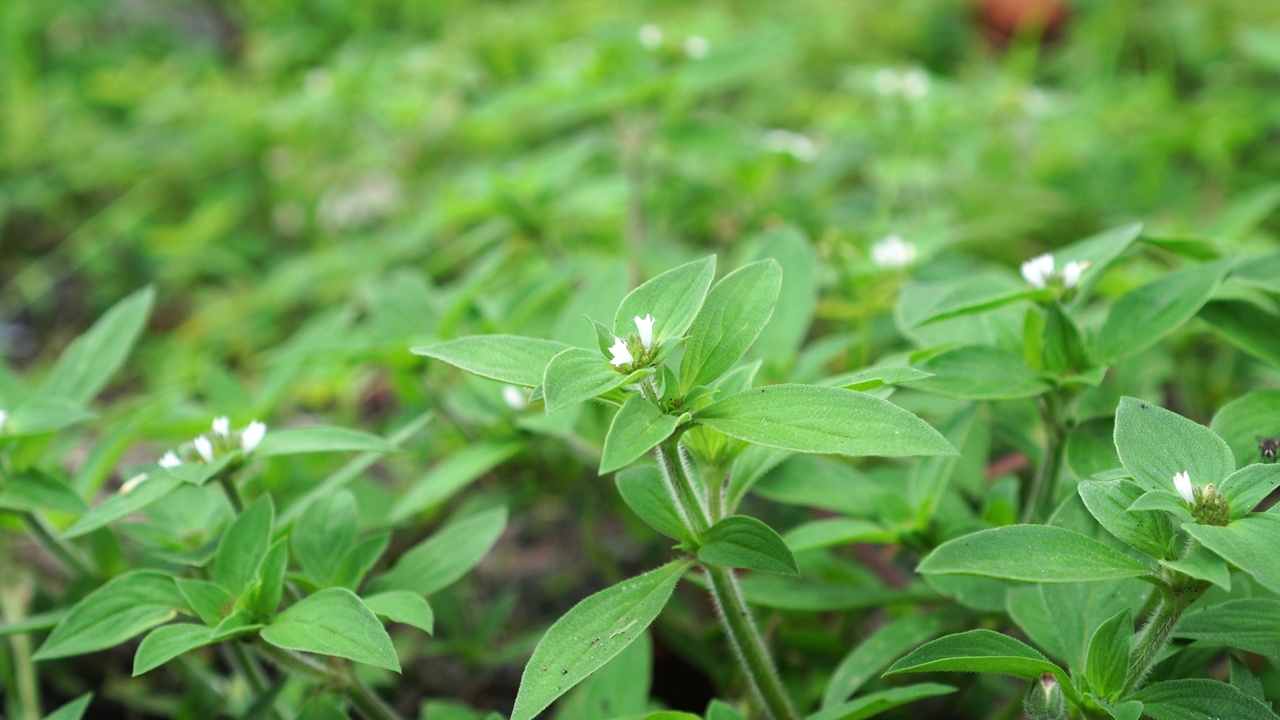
[
  {"x": 893, "y": 252},
  {"x": 644, "y": 325},
  {"x": 514, "y": 397},
  {"x": 369, "y": 199},
  {"x": 621, "y": 355},
  {"x": 252, "y": 435},
  {"x": 169, "y": 460},
  {"x": 650, "y": 36},
  {"x": 4, "y": 418},
  {"x": 1071, "y": 273},
  {"x": 1038, "y": 270},
  {"x": 697, "y": 46},
  {"x": 887, "y": 82},
  {"x": 129, "y": 485},
  {"x": 795, "y": 144},
  {"x": 915, "y": 84},
  {"x": 1182, "y": 483},
  {"x": 204, "y": 447},
  {"x": 222, "y": 426}
]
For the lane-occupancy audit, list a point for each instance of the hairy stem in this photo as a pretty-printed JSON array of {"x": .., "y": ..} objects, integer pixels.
[
  {"x": 689, "y": 500},
  {"x": 228, "y": 482},
  {"x": 736, "y": 618},
  {"x": 1150, "y": 641}
]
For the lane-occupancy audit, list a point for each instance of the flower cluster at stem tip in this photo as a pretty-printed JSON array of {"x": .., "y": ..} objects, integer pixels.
[
  {"x": 206, "y": 448},
  {"x": 1208, "y": 507},
  {"x": 635, "y": 350},
  {"x": 1039, "y": 272}
]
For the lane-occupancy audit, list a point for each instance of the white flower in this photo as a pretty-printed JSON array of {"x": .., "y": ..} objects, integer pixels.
[
  {"x": 887, "y": 82},
  {"x": 514, "y": 397},
  {"x": 1071, "y": 273},
  {"x": 132, "y": 483},
  {"x": 697, "y": 47},
  {"x": 893, "y": 252},
  {"x": 650, "y": 36},
  {"x": 169, "y": 460},
  {"x": 1038, "y": 270},
  {"x": 4, "y": 418},
  {"x": 795, "y": 144},
  {"x": 204, "y": 447},
  {"x": 645, "y": 327},
  {"x": 915, "y": 84},
  {"x": 1182, "y": 483},
  {"x": 222, "y": 426},
  {"x": 252, "y": 435},
  {"x": 621, "y": 355}
]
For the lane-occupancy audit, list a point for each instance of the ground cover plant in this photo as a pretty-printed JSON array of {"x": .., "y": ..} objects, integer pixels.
[{"x": 475, "y": 360}]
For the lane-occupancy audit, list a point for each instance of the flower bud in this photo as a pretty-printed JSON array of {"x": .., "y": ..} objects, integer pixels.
[{"x": 1045, "y": 701}]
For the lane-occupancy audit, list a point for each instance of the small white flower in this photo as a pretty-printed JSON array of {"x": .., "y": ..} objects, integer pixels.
[
  {"x": 621, "y": 355},
  {"x": 514, "y": 397},
  {"x": 252, "y": 435},
  {"x": 4, "y": 418},
  {"x": 1182, "y": 483},
  {"x": 915, "y": 84},
  {"x": 169, "y": 460},
  {"x": 650, "y": 36},
  {"x": 1038, "y": 270},
  {"x": 222, "y": 426},
  {"x": 132, "y": 483},
  {"x": 697, "y": 47},
  {"x": 1071, "y": 273},
  {"x": 893, "y": 252},
  {"x": 204, "y": 447},
  {"x": 797, "y": 145},
  {"x": 887, "y": 82},
  {"x": 645, "y": 327}
]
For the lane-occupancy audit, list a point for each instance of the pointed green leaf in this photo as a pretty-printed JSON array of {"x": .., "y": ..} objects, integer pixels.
[
  {"x": 872, "y": 378},
  {"x": 982, "y": 651},
  {"x": 324, "y": 534},
  {"x": 1248, "y": 543},
  {"x": 1031, "y": 553},
  {"x": 442, "y": 559},
  {"x": 124, "y": 607},
  {"x": 1109, "y": 502},
  {"x": 297, "y": 441},
  {"x": 1248, "y": 486},
  {"x": 1203, "y": 564},
  {"x": 735, "y": 312},
  {"x": 449, "y": 476},
  {"x": 981, "y": 372},
  {"x": 1108, "y": 661},
  {"x": 793, "y": 313},
  {"x": 1247, "y": 326},
  {"x": 645, "y": 492},
  {"x": 505, "y": 358},
  {"x": 636, "y": 429},
  {"x": 1144, "y": 316},
  {"x": 208, "y": 600},
  {"x": 122, "y": 505},
  {"x": 576, "y": 375},
  {"x": 166, "y": 643},
  {"x": 878, "y": 702},
  {"x": 1243, "y": 420},
  {"x": 1197, "y": 699},
  {"x": 73, "y": 710},
  {"x": 875, "y": 653},
  {"x": 360, "y": 560},
  {"x": 334, "y": 622},
  {"x": 243, "y": 546},
  {"x": 619, "y": 689},
  {"x": 591, "y": 634},
  {"x": 672, "y": 298},
  {"x": 836, "y": 531},
  {"x": 1248, "y": 624},
  {"x": 814, "y": 419},
  {"x": 41, "y": 415},
  {"x": 265, "y": 599},
  {"x": 1155, "y": 444},
  {"x": 86, "y": 366},
  {"x": 34, "y": 491},
  {"x": 405, "y": 607},
  {"x": 739, "y": 541}
]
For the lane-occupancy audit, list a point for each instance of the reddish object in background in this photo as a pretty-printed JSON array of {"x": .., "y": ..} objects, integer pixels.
[{"x": 1002, "y": 20}]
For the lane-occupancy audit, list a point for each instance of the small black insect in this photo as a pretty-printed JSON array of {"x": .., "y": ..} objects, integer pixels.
[{"x": 1268, "y": 447}]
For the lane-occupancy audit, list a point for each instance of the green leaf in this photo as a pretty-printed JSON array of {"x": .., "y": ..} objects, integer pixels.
[
  {"x": 619, "y": 689},
  {"x": 442, "y": 559},
  {"x": 1091, "y": 448},
  {"x": 576, "y": 375},
  {"x": 931, "y": 476},
  {"x": 732, "y": 317},
  {"x": 981, "y": 372},
  {"x": 505, "y": 358},
  {"x": 298, "y": 441},
  {"x": 200, "y": 473},
  {"x": 405, "y": 607},
  {"x": 1144, "y": 316},
  {"x": 73, "y": 710},
  {"x": 1248, "y": 486},
  {"x": 324, "y": 534},
  {"x": 1107, "y": 664},
  {"x": 1064, "y": 353},
  {"x": 875, "y": 653},
  {"x": 86, "y": 366},
  {"x": 122, "y": 608},
  {"x": 121, "y": 505},
  {"x": 38, "y": 622},
  {"x": 1037, "y": 610},
  {"x": 982, "y": 651},
  {"x": 1197, "y": 699},
  {"x": 836, "y": 531},
  {"x": 719, "y": 710},
  {"x": 1243, "y": 420},
  {"x": 739, "y": 541},
  {"x": 1098, "y": 251},
  {"x": 1246, "y": 326},
  {"x": 1120, "y": 711},
  {"x": 265, "y": 599},
  {"x": 1243, "y": 678},
  {"x": 1155, "y": 444},
  {"x": 450, "y": 476},
  {"x": 360, "y": 560},
  {"x": 208, "y": 600},
  {"x": 878, "y": 702},
  {"x": 334, "y": 622},
  {"x": 645, "y": 492},
  {"x": 872, "y": 378},
  {"x": 636, "y": 429},
  {"x": 1109, "y": 502},
  {"x": 1248, "y": 543},
  {"x": 243, "y": 546},
  {"x": 41, "y": 415},
  {"x": 673, "y": 298},
  {"x": 591, "y": 634},
  {"x": 166, "y": 643},
  {"x": 1249, "y": 625},
  {"x": 793, "y": 313},
  {"x": 813, "y": 419},
  {"x": 1031, "y": 553},
  {"x": 1203, "y": 564},
  {"x": 34, "y": 491},
  {"x": 969, "y": 296}
]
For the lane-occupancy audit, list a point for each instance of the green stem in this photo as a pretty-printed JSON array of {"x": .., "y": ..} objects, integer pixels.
[
  {"x": 244, "y": 664},
  {"x": 13, "y": 606},
  {"x": 365, "y": 700},
  {"x": 368, "y": 703},
  {"x": 228, "y": 482},
  {"x": 1044, "y": 485},
  {"x": 690, "y": 502},
  {"x": 736, "y": 618},
  {"x": 62, "y": 550},
  {"x": 1150, "y": 641}
]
